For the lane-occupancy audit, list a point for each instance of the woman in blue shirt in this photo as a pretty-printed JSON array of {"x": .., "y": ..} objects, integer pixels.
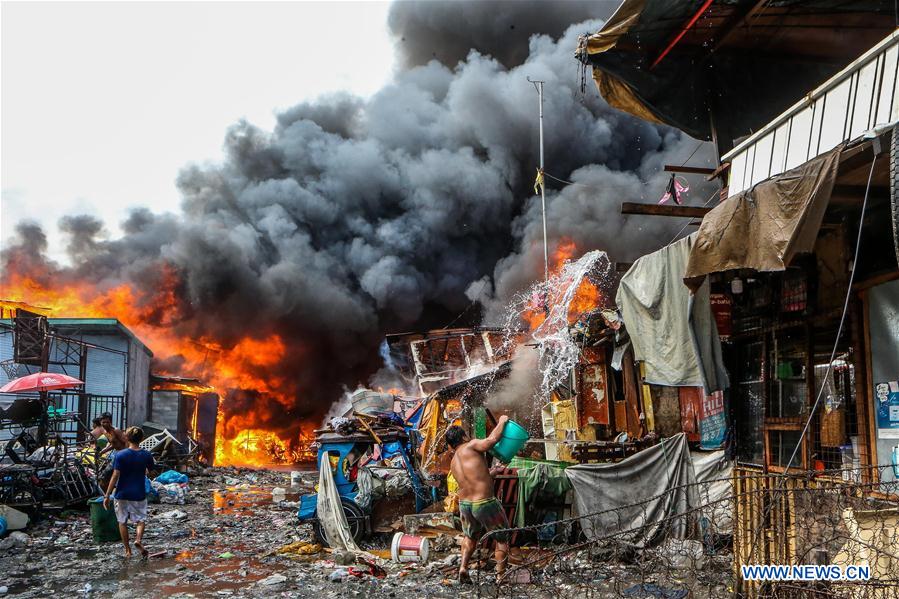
[{"x": 130, "y": 467}]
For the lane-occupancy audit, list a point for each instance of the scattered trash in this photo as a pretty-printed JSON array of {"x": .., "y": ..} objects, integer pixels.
[
  {"x": 646, "y": 591},
  {"x": 19, "y": 537},
  {"x": 278, "y": 494},
  {"x": 518, "y": 576},
  {"x": 370, "y": 570},
  {"x": 226, "y": 555},
  {"x": 273, "y": 580},
  {"x": 300, "y": 548},
  {"x": 173, "y": 515},
  {"x": 338, "y": 575},
  {"x": 175, "y": 493},
  {"x": 343, "y": 558}
]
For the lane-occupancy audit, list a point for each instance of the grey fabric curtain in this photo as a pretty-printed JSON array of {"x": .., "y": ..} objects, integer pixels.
[{"x": 640, "y": 500}]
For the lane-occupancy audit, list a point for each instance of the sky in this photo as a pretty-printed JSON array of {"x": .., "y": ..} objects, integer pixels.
[{"x": 102, "y": 103}]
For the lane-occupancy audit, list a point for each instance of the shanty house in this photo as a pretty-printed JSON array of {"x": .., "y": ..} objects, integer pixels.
[
  {"x": 800, "y": 255},
  {"x": 104, "y": 353}
]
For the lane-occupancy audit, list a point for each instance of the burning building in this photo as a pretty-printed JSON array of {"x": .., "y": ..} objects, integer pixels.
[{"x": 187, "y": 408}]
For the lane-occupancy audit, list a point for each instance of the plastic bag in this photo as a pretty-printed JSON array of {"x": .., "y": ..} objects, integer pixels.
[
  {"x": 171, "y": 476},
  {"x": 171, "y": 493}
]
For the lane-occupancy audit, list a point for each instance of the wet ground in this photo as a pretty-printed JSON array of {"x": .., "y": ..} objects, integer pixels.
[{"x": 220, "y": 544}]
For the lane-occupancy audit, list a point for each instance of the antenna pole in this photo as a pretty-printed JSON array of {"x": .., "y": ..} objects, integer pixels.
[{"x": 539, "y": 86}]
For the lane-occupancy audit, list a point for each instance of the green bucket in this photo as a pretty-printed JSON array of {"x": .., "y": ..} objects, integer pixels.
[
  {"x": 104, "y": 525},
  {"x": 513, "y": 439}
]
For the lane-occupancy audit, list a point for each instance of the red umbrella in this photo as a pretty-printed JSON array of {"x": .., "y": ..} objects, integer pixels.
[{"x": 40, "y": 381}]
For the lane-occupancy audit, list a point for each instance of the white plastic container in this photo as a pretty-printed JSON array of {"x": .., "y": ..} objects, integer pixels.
[
  {"x": 15, "y": 520},
  {"x": 409, "y": 549},
  {"x": 366, "y": 401}
]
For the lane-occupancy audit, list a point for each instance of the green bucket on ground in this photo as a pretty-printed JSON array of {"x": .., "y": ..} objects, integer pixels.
[
  {"x": 104, "y": 525},
  {"x": 513, "y": 439}
]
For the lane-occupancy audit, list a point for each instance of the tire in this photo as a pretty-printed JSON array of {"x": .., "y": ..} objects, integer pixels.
[
  {"x": 894, "y": 188},
  {"x": 355, "y": 519}
]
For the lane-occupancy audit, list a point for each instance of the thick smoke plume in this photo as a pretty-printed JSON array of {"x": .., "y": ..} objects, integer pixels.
[{"x": 356, "y": 217}]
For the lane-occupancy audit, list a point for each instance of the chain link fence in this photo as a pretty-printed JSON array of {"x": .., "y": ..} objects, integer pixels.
[{"x": 828, "y": 522}]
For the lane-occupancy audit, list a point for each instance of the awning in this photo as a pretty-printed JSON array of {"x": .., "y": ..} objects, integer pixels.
[
  {"x": 766, "y": 226},
  {"x": 738, "y": 63}
]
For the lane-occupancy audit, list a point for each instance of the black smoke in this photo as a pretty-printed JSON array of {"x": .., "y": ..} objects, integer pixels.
[{"x": 357, "y": 217}]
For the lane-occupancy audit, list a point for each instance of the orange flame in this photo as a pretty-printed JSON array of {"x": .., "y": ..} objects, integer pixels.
[
  {"x": 246, "y": 364},
  {"x": 586, "y": 298}
]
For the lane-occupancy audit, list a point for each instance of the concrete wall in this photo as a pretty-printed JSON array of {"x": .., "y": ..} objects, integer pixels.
[{"x": 138, "y": 384}]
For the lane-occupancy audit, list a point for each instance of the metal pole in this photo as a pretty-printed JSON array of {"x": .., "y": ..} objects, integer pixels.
[{"x": 539, "y": 86}]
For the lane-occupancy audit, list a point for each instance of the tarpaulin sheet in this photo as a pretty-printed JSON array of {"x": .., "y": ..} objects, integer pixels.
[
  {"x": 641, "y": 499},
  {"x": 672, "y": 331},
  {"x": 764, "y": 227},
  {"x": 330, "y": 510}
]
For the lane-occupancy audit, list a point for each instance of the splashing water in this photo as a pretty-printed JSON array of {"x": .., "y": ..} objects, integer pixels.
[{"x": 549, "y": 306}]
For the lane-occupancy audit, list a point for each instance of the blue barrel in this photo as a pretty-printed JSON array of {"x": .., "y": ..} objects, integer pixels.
[
  {"x": 2, "y": 526},
  {"x": 513, "y": 439}
]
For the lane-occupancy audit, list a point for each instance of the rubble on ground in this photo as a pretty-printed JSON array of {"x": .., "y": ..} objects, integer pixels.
[{"x": 224, "y": 541}]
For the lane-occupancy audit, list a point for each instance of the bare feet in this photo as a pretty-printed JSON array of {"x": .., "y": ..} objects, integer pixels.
[
  {"x": 143, "y": 550},
  {"x": 464, "y": 578},
  {"x": 128, "y": 552}
]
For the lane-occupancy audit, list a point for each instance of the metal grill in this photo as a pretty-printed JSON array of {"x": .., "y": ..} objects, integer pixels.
[{"x": 87, "y": 406}]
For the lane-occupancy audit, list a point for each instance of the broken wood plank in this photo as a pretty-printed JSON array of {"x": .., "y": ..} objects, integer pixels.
[{"x": 664, "y": 210}]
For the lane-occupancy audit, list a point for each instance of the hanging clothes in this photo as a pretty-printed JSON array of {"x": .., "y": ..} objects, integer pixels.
[{"x": 541, "y": 482}]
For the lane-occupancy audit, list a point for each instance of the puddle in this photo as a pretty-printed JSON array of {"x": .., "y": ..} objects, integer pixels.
[
  {"x": 244, "y": 501},
  {"x": 190, "y": 572}
]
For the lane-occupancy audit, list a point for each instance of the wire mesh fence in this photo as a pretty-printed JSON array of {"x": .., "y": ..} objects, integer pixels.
[{"x": 832, "y": 534}]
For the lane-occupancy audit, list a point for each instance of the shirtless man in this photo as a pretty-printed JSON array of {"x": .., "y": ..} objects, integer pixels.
[
  {"x": 116, "y": 442},
  {"x": 479, "y": 509},
  {"x": 116, "y": 438}
]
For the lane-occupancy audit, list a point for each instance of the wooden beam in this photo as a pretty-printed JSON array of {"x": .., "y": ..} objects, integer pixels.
[
  {"x": 852, "y": 195},
  {"x": 664, "y": 210},
  {"x": 739, "y": 17},
  {"x": 719, "y": 172},
  {"x": 861, "y": 155},
  {"x": 689, "y": 170}
]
